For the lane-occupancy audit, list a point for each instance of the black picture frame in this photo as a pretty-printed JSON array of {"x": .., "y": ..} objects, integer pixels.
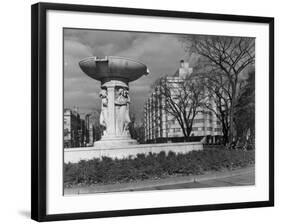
[{"x": 39, "y": 108}]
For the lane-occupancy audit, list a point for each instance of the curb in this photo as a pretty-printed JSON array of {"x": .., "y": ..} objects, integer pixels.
[{"x": 156, "y": 183}]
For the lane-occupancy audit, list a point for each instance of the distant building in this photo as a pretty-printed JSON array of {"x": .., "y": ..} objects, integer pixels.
[
  {"x": 74, "y": 129},
  {"x": 160, "y": 126},
  {"x": 93, "y": 128},
  {"x": 89, "y": 130}
]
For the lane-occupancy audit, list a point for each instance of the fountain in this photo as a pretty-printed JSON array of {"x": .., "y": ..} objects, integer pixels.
[{"x": 114, "y": 73}]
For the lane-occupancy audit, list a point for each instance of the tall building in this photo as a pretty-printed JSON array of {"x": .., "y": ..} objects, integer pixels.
[
  {"x": 89, "y": 129},
  {"x": 93, "y": 128},
  {"x": 161, "y": 126},
  {"x": 74, "y": 129}
]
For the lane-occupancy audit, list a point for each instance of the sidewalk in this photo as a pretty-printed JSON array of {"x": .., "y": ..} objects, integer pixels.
[{"x": 239, "y": 177}]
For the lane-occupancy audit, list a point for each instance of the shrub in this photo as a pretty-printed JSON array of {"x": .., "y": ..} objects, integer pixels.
[{"x": 107, "y": 170}]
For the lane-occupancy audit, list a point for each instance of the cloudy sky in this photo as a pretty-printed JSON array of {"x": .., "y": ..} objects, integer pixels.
[{"x": 160, "y": 52}]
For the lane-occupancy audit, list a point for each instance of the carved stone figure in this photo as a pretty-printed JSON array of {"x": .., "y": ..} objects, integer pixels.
[
  {"x": 114, "y": 74},
  {"x": 122, "y": 102},
  {"x": 104, "y": 109}
]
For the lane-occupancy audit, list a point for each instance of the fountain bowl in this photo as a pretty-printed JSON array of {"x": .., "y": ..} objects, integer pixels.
[{"x": 113, "y": 68}]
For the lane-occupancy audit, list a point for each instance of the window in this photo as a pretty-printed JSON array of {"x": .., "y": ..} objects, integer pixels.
[{"x": 198, "y": 120}]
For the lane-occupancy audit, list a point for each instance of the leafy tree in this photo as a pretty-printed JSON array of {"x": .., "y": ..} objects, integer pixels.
[{"x": 244, "y": 115}]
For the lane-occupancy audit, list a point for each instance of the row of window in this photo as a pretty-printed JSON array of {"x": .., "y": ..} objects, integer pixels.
[
  {"x": 206, "y": 128},
  {"x": 177, "y": 130},
  {"x": 195, "y": 129},
  {"x": 173, "y": 121},
  {"x": 158, "y": 122}
]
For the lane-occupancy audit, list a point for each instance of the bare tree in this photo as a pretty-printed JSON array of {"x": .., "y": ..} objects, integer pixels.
[
  {"x": 217, "y": 92},
  {"x": 225, "y": 59},
  {"x": 181, "y": 98}
]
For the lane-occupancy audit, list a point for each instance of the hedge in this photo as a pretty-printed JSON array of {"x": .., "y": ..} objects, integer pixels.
[{"x": 107, "y": 170}]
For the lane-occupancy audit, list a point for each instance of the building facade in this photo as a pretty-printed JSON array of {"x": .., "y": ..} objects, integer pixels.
[
  {"x": 89, "y": 130},
  {"x": 93, "y": 128},
  {"x": 161, "y": 126},
  {"x": 80, "y": 132},
  {"x": 74, "y": 129}
]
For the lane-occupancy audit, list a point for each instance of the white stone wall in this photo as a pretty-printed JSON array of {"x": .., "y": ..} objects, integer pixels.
[{"x": 76, "y": 154}]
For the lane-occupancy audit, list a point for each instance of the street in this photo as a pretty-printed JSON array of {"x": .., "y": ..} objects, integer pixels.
[
  {"x": 236, "y": 180},
  {"x": 239, "y": 177}
]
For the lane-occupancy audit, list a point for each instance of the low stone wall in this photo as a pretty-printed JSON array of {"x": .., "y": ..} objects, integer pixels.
[
  {"x": 76, "y": 154},
  {"x": 210, "y": 147}
]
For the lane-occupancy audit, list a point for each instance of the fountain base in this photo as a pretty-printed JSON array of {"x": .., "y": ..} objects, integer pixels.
[{"x": 114, "y": 142}]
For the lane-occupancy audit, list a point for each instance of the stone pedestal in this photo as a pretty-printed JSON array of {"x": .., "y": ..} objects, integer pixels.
[
  {"x": 115, "y": 115},
  {"x": 116, "y": 141}
]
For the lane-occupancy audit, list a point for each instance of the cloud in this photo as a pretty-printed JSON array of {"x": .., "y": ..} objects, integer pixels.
[
  {"x": 75, "y": 48},
  {"x": 160, "y": 52},
  {"x": 101, "y": 42}
]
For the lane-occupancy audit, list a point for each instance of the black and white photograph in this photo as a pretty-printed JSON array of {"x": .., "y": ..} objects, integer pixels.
[
  {"x": 139, "y": 111},
  {"x": 146, "y": 111}
]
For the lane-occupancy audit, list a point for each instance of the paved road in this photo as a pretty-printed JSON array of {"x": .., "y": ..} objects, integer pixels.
[
  {"x": 236, "y": 180},
  {"x": 240, "y": 177}
]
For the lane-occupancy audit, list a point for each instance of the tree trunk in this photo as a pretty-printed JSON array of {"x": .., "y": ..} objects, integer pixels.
[{"x": 231, "y": 117}]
